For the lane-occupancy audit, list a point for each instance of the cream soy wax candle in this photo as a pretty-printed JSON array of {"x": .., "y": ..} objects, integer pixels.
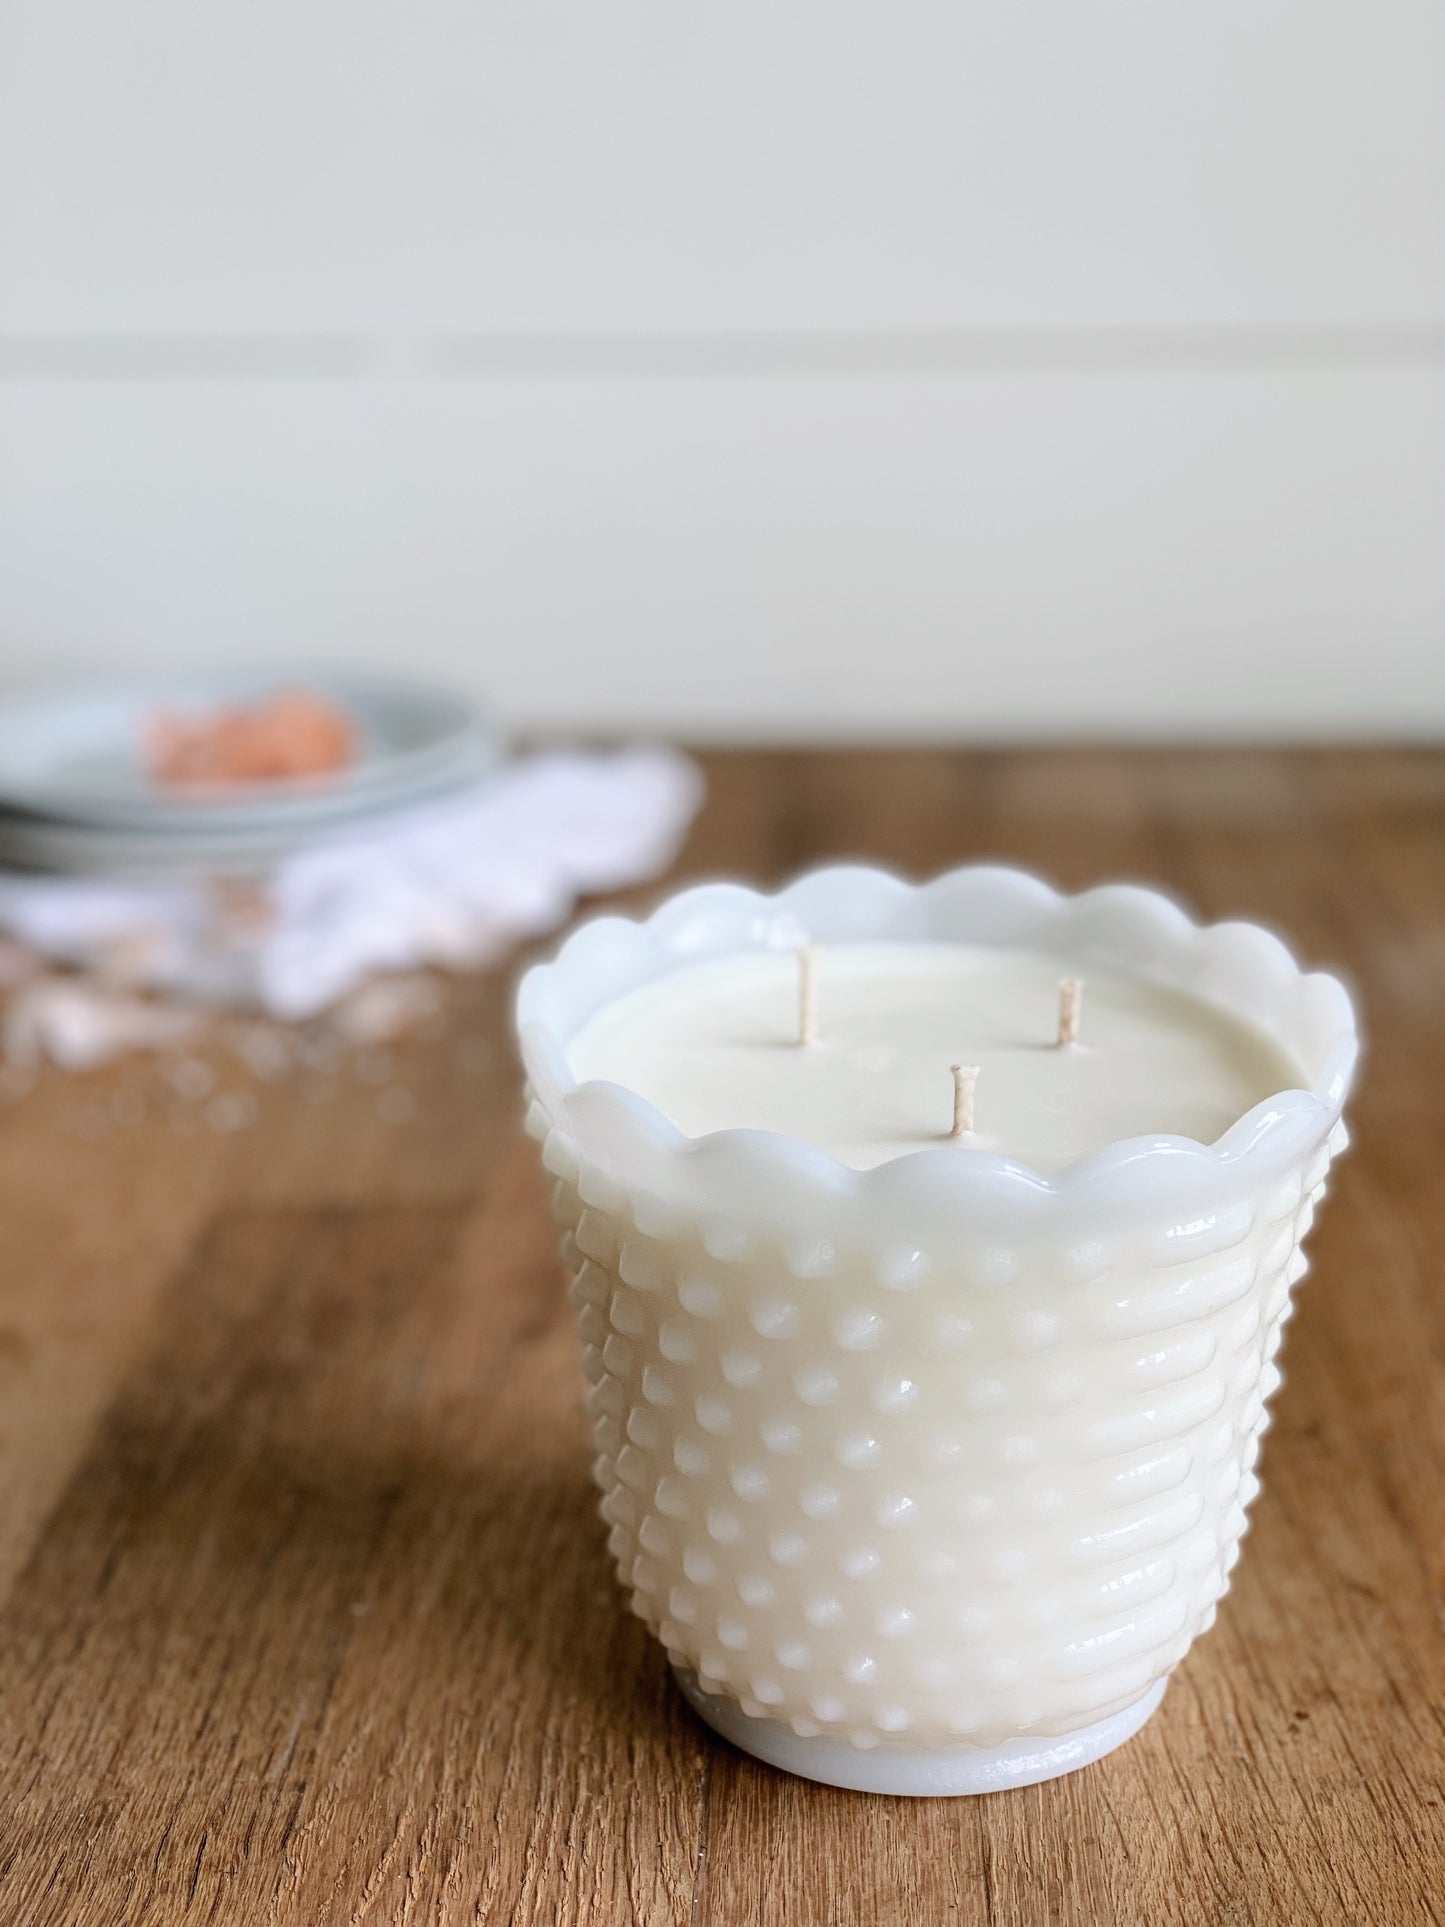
[{"x": 932, "y": 1250}]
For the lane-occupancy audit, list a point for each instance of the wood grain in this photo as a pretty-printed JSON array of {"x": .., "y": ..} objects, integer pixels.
[{"x": 306, "y": 1617}]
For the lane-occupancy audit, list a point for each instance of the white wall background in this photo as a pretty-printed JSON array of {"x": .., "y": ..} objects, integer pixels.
[{"x": 809, "y": 370}]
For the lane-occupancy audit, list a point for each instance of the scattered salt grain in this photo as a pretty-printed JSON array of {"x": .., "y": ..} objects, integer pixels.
[
  {"x": 388, "y": 1008},
  {"x": 77, "y": 1025}
]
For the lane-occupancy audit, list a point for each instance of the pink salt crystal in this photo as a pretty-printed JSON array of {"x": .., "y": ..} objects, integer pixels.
[{"x": 288, "y": 735}]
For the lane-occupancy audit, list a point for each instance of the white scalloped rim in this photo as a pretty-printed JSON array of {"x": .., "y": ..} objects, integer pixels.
[{"x": 751, "y": 1175}]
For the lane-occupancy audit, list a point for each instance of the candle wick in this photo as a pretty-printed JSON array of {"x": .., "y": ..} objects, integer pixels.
[
  {"x": 808, "y": 995},
  {"x": 965, "y": 1081},
  {"x": 1071, "y": 1000}
]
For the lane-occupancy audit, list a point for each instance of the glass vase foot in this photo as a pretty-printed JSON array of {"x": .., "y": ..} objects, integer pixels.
[{"x": 913, "y": 1770}]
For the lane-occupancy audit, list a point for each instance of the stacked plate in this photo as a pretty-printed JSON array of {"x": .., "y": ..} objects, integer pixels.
[{"x": 75, "y": 796}]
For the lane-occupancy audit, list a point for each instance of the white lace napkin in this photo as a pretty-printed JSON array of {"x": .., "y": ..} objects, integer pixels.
[{"x": 452, "y": 883}]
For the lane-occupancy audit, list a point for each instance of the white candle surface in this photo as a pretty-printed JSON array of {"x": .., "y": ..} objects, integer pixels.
[{"x": 716, "y": 1047}]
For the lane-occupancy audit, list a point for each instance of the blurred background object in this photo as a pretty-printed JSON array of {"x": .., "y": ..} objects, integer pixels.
[
  {"x": 980, "y": 433},
  {"x": 814, "y": 373}
]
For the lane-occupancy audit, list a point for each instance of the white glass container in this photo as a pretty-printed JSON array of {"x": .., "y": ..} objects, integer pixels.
[{"x": 927, "y": 1476}]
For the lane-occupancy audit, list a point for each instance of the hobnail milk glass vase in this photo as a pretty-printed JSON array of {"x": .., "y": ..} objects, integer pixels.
[{"x": 927, "y": 1476}]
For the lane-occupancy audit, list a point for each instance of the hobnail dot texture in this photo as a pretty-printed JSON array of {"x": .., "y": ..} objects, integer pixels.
[
  {"x": 946, "y": 1451},
  {"x": 951, "y": 1497}
]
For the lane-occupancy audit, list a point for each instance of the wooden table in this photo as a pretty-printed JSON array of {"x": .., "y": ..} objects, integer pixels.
[{"x": 307, "y": 1614}]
